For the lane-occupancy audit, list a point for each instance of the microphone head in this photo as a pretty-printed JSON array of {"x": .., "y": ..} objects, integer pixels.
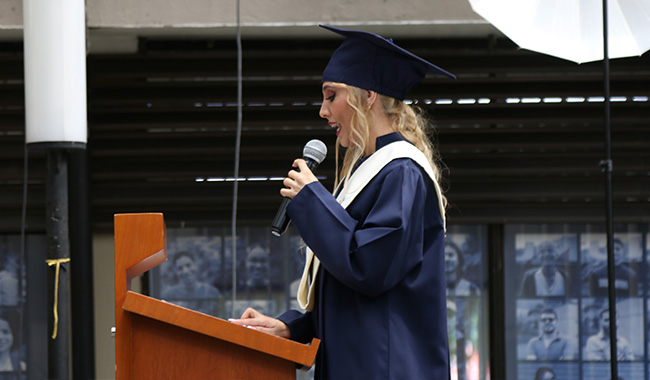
[{"x": 315, "y": 150}]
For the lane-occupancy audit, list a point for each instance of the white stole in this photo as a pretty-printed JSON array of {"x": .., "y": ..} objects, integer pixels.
[{"x": 355, "y": 184}]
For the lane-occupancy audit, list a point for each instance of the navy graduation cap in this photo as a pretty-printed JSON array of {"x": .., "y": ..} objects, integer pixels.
[{"x": 369, "y": 61}]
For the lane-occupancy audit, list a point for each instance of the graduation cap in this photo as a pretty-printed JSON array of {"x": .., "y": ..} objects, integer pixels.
[{"x": 372, "y": 62}]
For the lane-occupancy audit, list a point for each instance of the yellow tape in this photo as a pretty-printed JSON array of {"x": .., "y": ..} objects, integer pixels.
[{"x": 58, "y": 263}]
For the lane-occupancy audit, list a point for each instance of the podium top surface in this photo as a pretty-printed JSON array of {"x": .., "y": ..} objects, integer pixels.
[{"x": 221, "y": 329}]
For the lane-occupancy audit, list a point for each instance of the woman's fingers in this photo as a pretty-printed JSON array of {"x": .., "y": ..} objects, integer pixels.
[{"x": 252, "y": 318}]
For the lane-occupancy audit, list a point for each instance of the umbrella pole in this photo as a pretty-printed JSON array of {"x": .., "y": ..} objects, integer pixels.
[{"x": 606, "y": 166}]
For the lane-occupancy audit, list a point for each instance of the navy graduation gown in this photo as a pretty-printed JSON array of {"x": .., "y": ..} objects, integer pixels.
[{"x": 381, "y": 306}]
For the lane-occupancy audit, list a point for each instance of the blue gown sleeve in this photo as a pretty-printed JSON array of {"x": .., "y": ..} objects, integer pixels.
[
  {"x": 300, "y": 325},
  {"x": 373, "y": 253}
]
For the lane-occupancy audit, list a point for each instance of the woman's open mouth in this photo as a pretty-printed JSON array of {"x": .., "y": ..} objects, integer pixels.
[{"x": 337, "y": 126}]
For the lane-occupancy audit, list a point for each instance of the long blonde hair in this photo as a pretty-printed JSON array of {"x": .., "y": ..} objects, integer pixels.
[{"x": 411, "y": 122}]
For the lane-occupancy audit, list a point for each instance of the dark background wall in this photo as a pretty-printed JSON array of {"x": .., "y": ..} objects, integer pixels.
[{"x": 520, "y": 133}]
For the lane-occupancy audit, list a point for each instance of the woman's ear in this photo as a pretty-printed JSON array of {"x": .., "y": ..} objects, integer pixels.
[{"x": 371, "y": 98}]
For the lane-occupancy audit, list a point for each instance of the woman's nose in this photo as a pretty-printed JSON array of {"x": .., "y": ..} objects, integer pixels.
[{"x": 323, "y": 111}]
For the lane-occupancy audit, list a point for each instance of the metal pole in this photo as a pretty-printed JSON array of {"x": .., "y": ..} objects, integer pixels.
[
  {"x": 81, "y": 273},
  {"x": 607, "y": 167},
  {"x": 58, "y": 250},
  {"x": 237, "y": 153}
]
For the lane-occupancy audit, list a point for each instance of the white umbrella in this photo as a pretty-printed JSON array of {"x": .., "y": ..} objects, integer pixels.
[
  {"x": 579, "y": 31},
  {"x": 571, "y": 29}
]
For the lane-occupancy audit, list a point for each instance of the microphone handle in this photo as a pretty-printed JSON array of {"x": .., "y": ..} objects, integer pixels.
[{"x": 282, "y": 220}]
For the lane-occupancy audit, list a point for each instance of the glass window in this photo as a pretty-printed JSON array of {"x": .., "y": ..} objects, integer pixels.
[
  {"x": 13, "y": 296},
  {"x": 201, "y": 273},
  {"x": 467, "y": 295},
  {"x": 557, "y": 310}
]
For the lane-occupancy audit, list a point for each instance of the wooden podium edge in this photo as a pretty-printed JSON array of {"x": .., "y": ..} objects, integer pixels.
[{"x": 302, "y": 354}]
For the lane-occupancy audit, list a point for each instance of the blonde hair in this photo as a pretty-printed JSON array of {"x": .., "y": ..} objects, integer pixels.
[{"x": 410, "y": 122}]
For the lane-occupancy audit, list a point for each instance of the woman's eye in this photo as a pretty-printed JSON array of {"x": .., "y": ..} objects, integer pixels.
[{"x": 331, "y": 97}]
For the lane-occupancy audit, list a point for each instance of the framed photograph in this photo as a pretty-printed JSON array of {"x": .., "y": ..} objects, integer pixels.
[
  {"x": 467, "y": 294},
  {"x": 628, "y": 255},
  {"x": 601, "y": 371},
  {"x": 11, "y": 272},
  {"x": 12, "y": 345},
  {"x": 547, "y": 330},
  {"x": 595, "y": 324},
  {"x": 546, "y": 265},
  {"x": 548, "y": 371}
]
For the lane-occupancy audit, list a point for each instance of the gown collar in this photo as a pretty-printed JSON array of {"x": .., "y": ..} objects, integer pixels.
[
  {"x": 381, "y": 142},
  {"x": 384, "y": 140}
]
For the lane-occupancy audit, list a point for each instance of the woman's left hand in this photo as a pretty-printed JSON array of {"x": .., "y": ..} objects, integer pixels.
[
  {"x": 253, "y": 319},
  {"x": 296, "y": 180}
]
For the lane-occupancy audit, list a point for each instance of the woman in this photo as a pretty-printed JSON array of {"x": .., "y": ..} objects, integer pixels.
[
  {"x": 9, "y": 356},
  {"x": 373, "y": 285},
  {"x": 457, "y": 285}
]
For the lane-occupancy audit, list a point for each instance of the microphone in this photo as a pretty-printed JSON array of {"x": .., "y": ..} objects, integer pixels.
[{"x": 313, "y": 153}]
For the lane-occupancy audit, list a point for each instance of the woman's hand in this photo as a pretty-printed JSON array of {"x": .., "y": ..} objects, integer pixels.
[
  {"x": 296, "y": 180},
  {"x": 258, "y": 321}
]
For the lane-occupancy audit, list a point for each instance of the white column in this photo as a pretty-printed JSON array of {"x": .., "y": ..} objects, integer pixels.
[{"x": 55, "y": 72}]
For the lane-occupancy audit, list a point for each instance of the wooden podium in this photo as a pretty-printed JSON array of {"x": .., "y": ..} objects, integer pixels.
[{"x": 157, "y": 340}]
